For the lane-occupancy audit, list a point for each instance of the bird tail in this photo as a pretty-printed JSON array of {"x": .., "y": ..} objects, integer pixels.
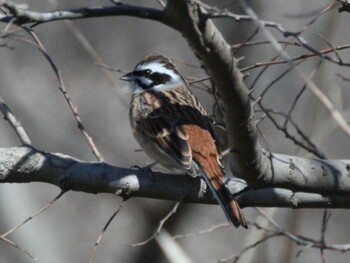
[{"x": 223, "y": 197}]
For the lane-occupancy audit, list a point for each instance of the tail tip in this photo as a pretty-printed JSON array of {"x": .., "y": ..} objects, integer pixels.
[{"x": 237, "y": 223}]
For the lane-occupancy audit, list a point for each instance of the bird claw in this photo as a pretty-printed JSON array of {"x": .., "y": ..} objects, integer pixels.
[
  {"x": 146, "y": 169},
  {"x": 245, "y": 189}
]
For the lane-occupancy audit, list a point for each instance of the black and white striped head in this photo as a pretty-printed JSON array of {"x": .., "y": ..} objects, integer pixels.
[{"x": 155, "y": 73}]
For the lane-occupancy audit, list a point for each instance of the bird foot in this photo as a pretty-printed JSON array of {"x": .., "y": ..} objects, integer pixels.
[
  {"x": 245, "y": 189},
  {"x": 146, "y": 169}
]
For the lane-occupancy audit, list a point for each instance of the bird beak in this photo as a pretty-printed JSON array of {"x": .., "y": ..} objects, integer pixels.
[{"x": 128, "y": 77}]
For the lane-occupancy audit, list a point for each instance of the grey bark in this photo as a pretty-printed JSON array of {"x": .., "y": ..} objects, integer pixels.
[{"x": 26, "y": 164}]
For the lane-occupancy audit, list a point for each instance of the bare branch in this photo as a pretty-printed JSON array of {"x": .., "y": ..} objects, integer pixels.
[
  {"x": 310, "y": 85},
  {"x": 15, "y": 124},
  {"x": 325, "y": 220},
  {"x": 104, "y": 230},
  {"x": 160, "y": 226},
  {"x": 91, "y": 50},
  {"x": 25, "y": 16},
  {"x": 296, "y": 58},
  {"x": 328, "y": 179},
  {"x": 64, "y": 91},
  {"x": 237, "y": 257},
  {"x": 343, "y": 78},
  {"x": 201, "y": 232},
  {"x": 263, "y": 42},
  {"x": 49, "y": 204},
  {"x": 18, "y": 247},
  {"x": 301, "y": 240}
]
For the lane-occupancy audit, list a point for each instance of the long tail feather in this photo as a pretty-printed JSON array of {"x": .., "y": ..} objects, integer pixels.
[{"x": 223, "y": 197}]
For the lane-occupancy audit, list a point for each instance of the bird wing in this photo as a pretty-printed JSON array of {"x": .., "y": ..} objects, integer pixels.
[{"x": 163, "y": 127}]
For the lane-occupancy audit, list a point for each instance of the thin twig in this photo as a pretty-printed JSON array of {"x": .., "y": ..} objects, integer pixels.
[
  {"x": 237, "y": 257},
  {"x": 338, "y": 118},
  {"x": 216, "y": 13},
  {"x": 310, "y": 146},
  {"x": 64, "y": 91},
  {"x": 18, "y": 247},
  {"x": 298, "y": 96},
  {"x": 259, "y": 75},
  {"x": 91, "y": 258},
  {"x": 49, "y": 204},
  {"x": 201, "y": 232},
  {"x": 248, "y": 39},
  {"x": 325, "y": 219},
  {"x": 343, "y": 77},
  {"x": 178, "y": 61},
  {"x": 263, "y": 42},
  {"x": 340, "y": 61},
  {"x": 301, "y": 240},
  {"x": 91, "y": 50},
  {"x": 306, "y": 248},
  {"x": 274, "y": 81},
  {"x": 107, "y": 67},
  {"x": 296, "y": 58},
  {"x": 4, "y": 236},
  {"x": 313, "y": 20},
  {"x": 160, "y": 226},
  {"x": 199, "y": 80},
  {"x": 15, "y": 123}
]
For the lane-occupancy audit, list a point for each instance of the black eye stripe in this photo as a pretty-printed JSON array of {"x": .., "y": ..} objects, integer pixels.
[
  {"x": 156, "y": 78},
  {"x": 144, "y": 73},
  {"x": 159, "y": 78}
]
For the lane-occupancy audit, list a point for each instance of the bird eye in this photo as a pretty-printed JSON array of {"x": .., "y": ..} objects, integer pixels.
[{"x": 148, "y": 71}]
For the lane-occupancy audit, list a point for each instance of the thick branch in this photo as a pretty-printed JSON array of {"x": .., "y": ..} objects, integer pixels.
[{"x": 26, "y": 164}]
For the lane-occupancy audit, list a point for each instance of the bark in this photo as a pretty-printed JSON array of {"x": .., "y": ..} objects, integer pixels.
[{"x": 26, "y": 164}]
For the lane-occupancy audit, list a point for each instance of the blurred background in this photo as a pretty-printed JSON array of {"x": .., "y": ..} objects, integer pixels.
[{"x": 68, "y": 230}]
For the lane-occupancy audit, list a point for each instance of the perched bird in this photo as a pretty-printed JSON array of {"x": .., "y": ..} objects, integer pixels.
[{"x": 173, "y": 128}]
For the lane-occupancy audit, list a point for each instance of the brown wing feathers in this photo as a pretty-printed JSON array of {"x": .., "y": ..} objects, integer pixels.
[{"x": 204, "y": 152}]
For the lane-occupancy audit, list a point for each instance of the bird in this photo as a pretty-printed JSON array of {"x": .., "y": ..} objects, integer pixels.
[{"x": 173, "y": 128}]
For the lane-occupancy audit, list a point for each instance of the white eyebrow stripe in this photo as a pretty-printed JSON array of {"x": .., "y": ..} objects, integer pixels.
[{"x": 160, "y": 68}]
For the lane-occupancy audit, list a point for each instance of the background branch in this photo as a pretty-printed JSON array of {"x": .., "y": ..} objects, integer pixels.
[{"x": 25, "y": 16}]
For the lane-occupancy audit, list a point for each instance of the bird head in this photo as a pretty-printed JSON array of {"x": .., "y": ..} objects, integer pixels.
[{"x": 154, "y": 73}]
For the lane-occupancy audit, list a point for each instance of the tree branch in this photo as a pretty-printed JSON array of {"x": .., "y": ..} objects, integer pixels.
[
  {"x": 23, "y": 16},
  {"x": 15, "y": 123},
  {"x": 27, "y": 164}
]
